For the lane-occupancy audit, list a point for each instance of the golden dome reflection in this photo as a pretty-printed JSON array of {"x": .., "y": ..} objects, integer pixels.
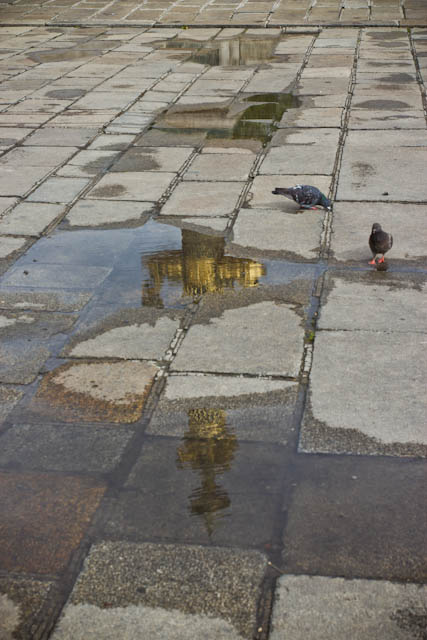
[
  {"x": 208, "y": 448},
  {"x": 200, "y": 266}
]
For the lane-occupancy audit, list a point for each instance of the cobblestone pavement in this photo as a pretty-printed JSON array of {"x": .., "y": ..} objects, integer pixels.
[{"x": 212, "y": 418}]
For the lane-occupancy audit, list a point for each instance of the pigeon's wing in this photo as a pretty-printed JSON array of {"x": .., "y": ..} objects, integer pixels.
[
  {"x": 391, "y": 240},
  {"x": 372, "y": 244},
  {"x": 309, "y": 195}
]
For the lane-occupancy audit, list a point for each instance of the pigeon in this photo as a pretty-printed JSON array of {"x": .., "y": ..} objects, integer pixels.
[
  {"x": 306, "y": 196},
  {"x": 379, "y": 242}
]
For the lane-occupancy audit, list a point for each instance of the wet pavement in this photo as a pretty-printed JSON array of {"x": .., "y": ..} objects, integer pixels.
[{"x": 212, "y": 419}]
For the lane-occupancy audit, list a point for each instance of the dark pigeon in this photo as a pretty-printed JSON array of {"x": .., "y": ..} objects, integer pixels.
[
  {"x": 379, "y": 242},
  {"x": 306, "y": 196}
]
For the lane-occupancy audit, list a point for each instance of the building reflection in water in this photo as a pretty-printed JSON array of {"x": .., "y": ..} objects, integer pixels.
[
  {"x": 200, "y": 266},
  {"x": 208, "y": 448}
]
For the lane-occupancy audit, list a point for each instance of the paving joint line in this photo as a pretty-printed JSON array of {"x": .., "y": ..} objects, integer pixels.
[{"x": 418, "y": 74}]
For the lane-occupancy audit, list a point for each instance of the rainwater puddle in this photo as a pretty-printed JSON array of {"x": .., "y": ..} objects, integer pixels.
[
  {"x": 249, "y": 117},
  {"x": 243, "y": 50},
  {"x": 208, "y": 449}
]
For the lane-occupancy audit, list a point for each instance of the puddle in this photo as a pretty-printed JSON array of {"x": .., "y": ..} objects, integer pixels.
[
  {"x": 208, "y": 449},
  {"x": 247, "y": 117},
  {"x": 243, "y": 50}
]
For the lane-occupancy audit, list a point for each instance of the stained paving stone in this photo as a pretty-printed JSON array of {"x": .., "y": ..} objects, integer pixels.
[
  {"x": 43, "y": 447},
  {"x": 400, "y": 154},
  {"x": 279, "y": 232},
  {"x": 129, "y": 335},
  {"x": 353, "y": 222},
  {"x": 96, "y": 213},
  {"x": 108, "y": 391},
  {"x": 21, "y": 604},
  {"x": 211, "y": 347},
  {"x": 261, "y": 196},
  {"x": 58, "y": 190},
  {"x": 361, "y": 407},
  {"x": 370, "y": 119},
  {"x": 42, "y": 300},
  {"x": 44, "y": 519},
  {"x": 132, "y": 185},
  {"x": 25, "y": 338},
  {"x": 106, "y": 142},
  {"x": 322, "y": 608},
  {"x": 258, "y": 410},
  {"x": 203, "y": 199},
  {"x": 374, "y": 301},
  {"x": 9, "y": 398},
  {"x": 358, "y": 517},
  {"x": 160, "y": 580},
  {"x": 30, "y": 219},
  {"x": 213, "y": 489},
  {"x": 152, "y": 159},
  {"x": 220, "y": 166}
]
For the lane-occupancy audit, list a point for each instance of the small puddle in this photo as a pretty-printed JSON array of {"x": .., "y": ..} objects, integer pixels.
[
  {"x": 249, "y": 117},
  {"x": 208, "y": 448},
  {"x": 242, "y": 50}
]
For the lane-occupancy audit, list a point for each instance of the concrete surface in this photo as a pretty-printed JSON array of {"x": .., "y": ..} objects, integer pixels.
[{"x": 213, "y": 408}]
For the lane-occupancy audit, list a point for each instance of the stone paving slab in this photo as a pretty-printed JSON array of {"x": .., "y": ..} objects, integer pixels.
[
  {"x": 374, "y": 301},
  {"x": 357, "y": 516},
  {"x": 44, "y": 519},
  {"x": 30, "y": 219},
  {"x": 220, "y": 166},
  {"x": 367, "y": 176},
  {"x": 259, "y": 410},
  {"x": 16, "y": 299},
  {"x": 160, "y": 579},
  {"x": 203, "y": 199},
  {"x": 352, "y": 225},
  {"x": 212, "y": 347},
  {"x": 96, "y": 213},
  {"x": 58, "y": 190},
  {"x": 322, "y": 608},
  {"x": 279, "y": 232},
  {"x": 9, "y": 397},
  {"x": 42, "y": 276},
  {"x": 43, "y": 447},
  {"x": 362, "y": 406},
  {"x": 83, "y": 391},
  {"x": 134, "y": 185}
]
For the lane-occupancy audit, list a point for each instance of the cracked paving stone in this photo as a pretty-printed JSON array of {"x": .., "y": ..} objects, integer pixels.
[
  {"x": 42, "y": 447},
  {"x": 211, "y": 590},
  {"x": 357, "y": 516},
  {"x": 205, "y": 487},
  {"x": 259, "y": 410},
  {"x": 245, "y": 340},
  {"x": 94, "y": 392},
  {"x": 364, "y": 405},
  {"x": 323, "y": 608},
  {"x": 353, "y": 222},
  {"x": 44, "y": 519}
]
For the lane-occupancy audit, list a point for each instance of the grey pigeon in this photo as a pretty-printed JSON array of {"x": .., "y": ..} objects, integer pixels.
[
  {"x": 306, "y": 196},
  {"x": 379, "y": 242}
]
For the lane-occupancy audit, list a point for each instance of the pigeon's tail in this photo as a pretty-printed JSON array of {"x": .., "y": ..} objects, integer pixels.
[{"x": 282, "y": 191}]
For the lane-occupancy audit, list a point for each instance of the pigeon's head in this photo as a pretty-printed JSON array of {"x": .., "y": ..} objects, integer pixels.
[
  {"x": 376, "y": 227},
  {"x": 325, "y": 202}
]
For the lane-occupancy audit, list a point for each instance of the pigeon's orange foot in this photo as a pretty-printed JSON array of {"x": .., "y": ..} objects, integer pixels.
[
  {"x": 381, "y": 260},
  {"x": 373, "y": 261},
  {"x": 314, "y": 208}
]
